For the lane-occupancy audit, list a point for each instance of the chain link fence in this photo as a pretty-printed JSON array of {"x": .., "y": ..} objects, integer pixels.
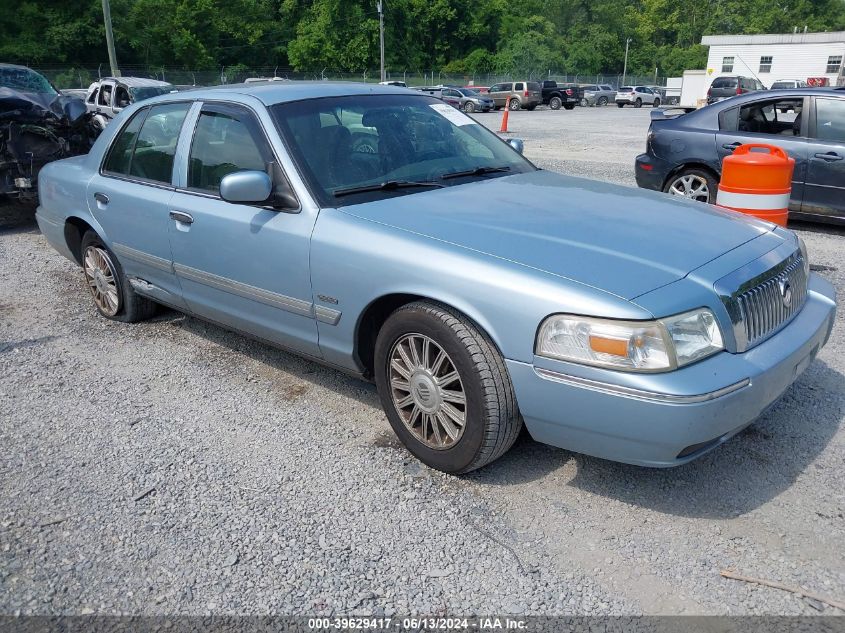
[{"x": 72, "y": 77}]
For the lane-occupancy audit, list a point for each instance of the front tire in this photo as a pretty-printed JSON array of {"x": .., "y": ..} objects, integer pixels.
[
  {"x": 555, "y": 103},
  {"x": 445, "y": 388},
  {"x": 515, "y": 104},
  {"x": 469, "y": 106},
  {"x": 602, "y": 101},
  {"x": 113, "y": 296},
  {"x": 620, "y": 105},
  {"x": 638, "y": 103},
  {"x": 570, "y": 106},
  {"x": 656, "y": 103}
]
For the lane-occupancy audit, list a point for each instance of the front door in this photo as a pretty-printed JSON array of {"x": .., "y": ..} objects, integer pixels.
[
  {"x": 825, "y": 189},
  {"x": 130, "y": 198},
  {"x": 779, "y": 122},
  {"x": 240, "y": 265}
]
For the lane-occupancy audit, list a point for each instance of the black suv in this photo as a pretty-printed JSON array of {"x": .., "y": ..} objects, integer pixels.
[{"x": 730, "y": 86}]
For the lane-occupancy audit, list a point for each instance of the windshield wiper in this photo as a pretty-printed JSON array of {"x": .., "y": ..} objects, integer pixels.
[
  {"x": 478, "y": 171},
  {"x": 386, "y": 186}
]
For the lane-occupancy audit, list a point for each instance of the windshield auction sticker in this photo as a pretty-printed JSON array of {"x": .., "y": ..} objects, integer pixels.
[{"x": 455, "y": 116}]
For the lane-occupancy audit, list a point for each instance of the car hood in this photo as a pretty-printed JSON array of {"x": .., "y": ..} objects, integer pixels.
[{"x": 619, "y": 239}]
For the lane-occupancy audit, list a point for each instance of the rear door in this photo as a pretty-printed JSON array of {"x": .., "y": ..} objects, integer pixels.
[
  {"x": 779, "y": 122},
  {"x": 825, "y": 188},
  {"x": 130, "y": 198}
]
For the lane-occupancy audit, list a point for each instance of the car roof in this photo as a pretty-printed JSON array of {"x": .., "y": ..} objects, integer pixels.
[
  {"x": 281, "y": 92},
  {"x": 2, "y": 65},
  {"x": 137, "y": 82}
]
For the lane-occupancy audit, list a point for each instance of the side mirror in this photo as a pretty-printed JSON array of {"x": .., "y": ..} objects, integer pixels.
[
  {"x": 246, "y": 187},
  {"x": 517, "y": 143}
]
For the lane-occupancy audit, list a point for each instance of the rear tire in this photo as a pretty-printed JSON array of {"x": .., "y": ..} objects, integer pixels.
[
  {"x": 113, "y": 296},
  {"x": 555, "y": 103},
  {"x": 569, "y": 106},
  {"x": 620, "y": 105},
  {"x": 693, "y": 183},
  {"x": 638, "y": 103},
  {"x": 411, "y": 381},
  {"x": 656, "y": 103},
  {"x": 515, "y": 104},
  {"x": 602, "y": 101}
]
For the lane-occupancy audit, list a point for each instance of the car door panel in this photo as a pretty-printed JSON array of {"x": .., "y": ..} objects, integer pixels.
[
  {"x": 243, "y": 266},
  {"x": 133, "y": 211},
  {"x": 825, "y": 189}
]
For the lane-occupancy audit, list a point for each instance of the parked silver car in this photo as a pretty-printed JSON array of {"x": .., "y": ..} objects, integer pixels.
[
  {"x": 597, "y": 95},
  {"x": 109, "y": 96},
  {"x": 467, "y": 99}
]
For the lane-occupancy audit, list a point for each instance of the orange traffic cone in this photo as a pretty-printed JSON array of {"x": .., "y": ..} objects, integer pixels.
[{"x": 504, "y": 127}]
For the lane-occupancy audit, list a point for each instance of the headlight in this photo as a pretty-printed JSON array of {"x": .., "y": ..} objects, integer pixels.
[
  {"x": 806, "y": 257},
  {"x": 644, "y": 346}
]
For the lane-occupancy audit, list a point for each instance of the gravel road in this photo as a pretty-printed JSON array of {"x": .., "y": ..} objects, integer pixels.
[{"x": 173, "y": 467}]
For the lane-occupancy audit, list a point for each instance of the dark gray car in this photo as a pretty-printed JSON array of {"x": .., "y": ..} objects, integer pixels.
[
  {"x": 731, "y": 86},
  {"x": 684, "y": 152},
  {"x": 467, "y": 99}
]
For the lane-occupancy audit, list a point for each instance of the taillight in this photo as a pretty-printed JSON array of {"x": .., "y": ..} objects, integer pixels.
[
  {"x": 525, "y": 94},
  {"x": 738, "y": 90},
  {"x": 710, "y": 92},
  {"x": 569, "y": 92}
]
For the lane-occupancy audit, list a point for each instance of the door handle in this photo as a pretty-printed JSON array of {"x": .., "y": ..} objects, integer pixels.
[
  {"x": 180, "y": 216},
  {"x": 101, "y": 198},
  {"x": 731, "y": 146},
  {"x": 829, "y": 157}
]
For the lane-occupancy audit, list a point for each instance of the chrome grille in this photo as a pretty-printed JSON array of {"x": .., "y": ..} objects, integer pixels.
[{"x": 776, "y": 297}]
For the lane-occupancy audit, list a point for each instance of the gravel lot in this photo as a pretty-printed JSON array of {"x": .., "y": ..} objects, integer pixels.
[{"x": 173, "y": 467}]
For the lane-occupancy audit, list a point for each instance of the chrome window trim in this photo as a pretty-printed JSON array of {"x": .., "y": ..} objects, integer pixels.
[{"x": 639, "y": 394}]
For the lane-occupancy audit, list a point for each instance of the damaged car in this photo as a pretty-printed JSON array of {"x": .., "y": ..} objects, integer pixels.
[{"x": 37, "y": 125}]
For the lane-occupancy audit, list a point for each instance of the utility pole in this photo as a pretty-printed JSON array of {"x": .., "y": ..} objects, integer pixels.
[
  {"x": 110, "y": 39},
  {"x": 625, "y": 69},
  {"x": 380, "y": 6}
]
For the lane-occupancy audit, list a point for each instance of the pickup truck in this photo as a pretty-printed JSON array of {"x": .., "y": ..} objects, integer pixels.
[{"x": 556, "y": 95}]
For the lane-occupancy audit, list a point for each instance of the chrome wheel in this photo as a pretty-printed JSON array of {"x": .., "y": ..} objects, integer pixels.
[
  {"x": 427, "y": 391},
  {"x": 692, "y": 187},
  {"x": 102, "y": 280}
]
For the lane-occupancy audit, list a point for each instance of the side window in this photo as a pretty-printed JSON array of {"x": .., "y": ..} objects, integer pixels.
[
  {"x": 105, "y": 95},
  {"x": 518, "y": 86},
  {"x": 774, "y": 117},
  {"x": 226, "y": 140},
  {"x": 155, "y": 146},
  {"x": 120, "y": 154},
  {"x": 830, "y": 120},
  {"x": 496, "y": 88},
  {"x": 92, "y": 98},
  {"x": 121, "y": 97}
]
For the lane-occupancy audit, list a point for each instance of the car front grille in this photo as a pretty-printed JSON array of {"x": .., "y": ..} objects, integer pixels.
[{"x": 763, "y": 305}]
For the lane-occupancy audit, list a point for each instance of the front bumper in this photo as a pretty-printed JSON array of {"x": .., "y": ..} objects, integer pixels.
[{"x": 668, "y": 419}]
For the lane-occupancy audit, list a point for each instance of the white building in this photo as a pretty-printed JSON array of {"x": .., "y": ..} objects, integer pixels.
[{"x": 772, "y": 57}]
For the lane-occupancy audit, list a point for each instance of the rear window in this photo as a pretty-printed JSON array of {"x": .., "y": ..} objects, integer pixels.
[
  {"x": 724, "y": 82},
  {"x": 626, "y": 89},
  {"x": 533, "y": 86},
  {"x": 782, "y": 84}
]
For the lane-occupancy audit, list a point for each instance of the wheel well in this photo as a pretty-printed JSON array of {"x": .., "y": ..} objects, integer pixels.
[
  {"x": 74, "y": 230},
  {"x": 377, "y": 313},
  {"x": 686, "y": 166},
  {"x": 370, "y": 323}
]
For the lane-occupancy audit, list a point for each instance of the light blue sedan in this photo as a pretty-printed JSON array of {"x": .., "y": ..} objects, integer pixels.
[{"x": 389, "y": 235}]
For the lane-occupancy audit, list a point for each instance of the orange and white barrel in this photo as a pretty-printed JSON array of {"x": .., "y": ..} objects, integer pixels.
[{"x": 757, "y": 180}]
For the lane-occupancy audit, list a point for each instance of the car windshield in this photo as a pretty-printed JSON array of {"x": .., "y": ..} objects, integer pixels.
[
  {"x": 342, "y": 144},
  {"x": 25, "y": 80},
  {"x": 148, "y": 92}
]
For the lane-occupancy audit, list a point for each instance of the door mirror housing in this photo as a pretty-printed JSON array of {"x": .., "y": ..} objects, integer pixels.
[
  {"x": 246, "y": 187},
  {"x": 517, "y": 143}
]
